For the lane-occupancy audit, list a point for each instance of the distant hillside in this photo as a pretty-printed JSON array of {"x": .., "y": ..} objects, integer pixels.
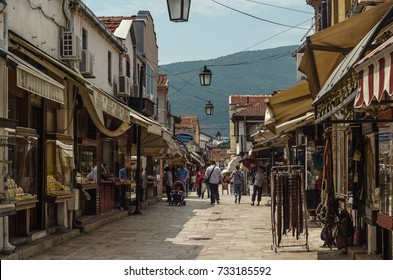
[{"x": 250, "y": 72}]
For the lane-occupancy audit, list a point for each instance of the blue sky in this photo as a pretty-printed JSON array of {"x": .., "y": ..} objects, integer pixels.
[{"x": 214, "y": 30}]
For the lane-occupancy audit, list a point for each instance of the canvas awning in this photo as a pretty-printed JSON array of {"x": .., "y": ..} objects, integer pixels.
[
  {"x": 327, "y": 48},
  {"x": 97, "y": 116},
  {"x": 158, "y": 141},
  {"x": 285, "y": 127},
  {"x": 232, "y": 164},
  {"x": 197, "y": 158},
  {"x": 33, "y": 80},
  {"x": 375, "y": 74},
  {"x": 287, "y": 104},
  {"x": 343, "y": 74},
  {"x": 46, "y": 60},
  {"x": 277, "y": 141}
]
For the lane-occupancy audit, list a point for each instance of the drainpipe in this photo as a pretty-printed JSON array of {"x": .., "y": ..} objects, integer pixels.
[
  {"x": 7, "y": 248},
  {"x": 323, "y": 15}
]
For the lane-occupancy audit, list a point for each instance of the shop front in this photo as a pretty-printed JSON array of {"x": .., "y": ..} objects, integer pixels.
[
  {"x": 104, "y": 148},
  {"x": 375, "y": 96},
  {"x": 353, "y": 143},
  {"x": 40, "y": 191}
]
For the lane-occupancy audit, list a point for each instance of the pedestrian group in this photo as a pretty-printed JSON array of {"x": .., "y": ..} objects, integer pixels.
[{"x": 207, "y": 181}]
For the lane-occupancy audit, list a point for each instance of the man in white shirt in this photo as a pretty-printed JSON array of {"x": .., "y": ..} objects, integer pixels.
[
  {"x": 92, "y": 176},
  {"x": 214, "y": 175}
]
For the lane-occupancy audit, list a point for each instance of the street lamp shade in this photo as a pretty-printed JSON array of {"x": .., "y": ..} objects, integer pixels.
[
  {"x": 218, "y": 136},
  {"x": 209, "y": 108},
  {"x": 205, "y": 77},
  {"x": 178, "y": 10}
]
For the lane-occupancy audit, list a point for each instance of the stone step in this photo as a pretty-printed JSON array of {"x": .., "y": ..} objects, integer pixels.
[{"x": 41, "y": 245}]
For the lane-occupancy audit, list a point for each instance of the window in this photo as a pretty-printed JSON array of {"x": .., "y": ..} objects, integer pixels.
[
  {"x": 128, "y": 66},
  {"x": 109, "y": 67},
  {"x": 84, "y": 39}
]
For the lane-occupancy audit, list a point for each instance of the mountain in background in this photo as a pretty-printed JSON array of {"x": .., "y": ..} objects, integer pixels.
[{"x": 244, "y": 73}]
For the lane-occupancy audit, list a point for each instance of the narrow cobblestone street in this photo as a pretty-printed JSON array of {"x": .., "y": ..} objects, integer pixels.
[{"x": 199, "y": 230}]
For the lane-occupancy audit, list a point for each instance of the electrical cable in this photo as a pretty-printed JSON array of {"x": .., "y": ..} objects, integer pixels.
[
  {"x": 280, "y": 7},
  {"x": 258, "y": 18}
]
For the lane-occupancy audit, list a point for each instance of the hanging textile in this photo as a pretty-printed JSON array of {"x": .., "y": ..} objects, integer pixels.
[{"x": 288, "y": 205}]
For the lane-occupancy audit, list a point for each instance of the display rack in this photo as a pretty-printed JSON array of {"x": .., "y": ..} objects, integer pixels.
[{"x": 288, "y": 210}]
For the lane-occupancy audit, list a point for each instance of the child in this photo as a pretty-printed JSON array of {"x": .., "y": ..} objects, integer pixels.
[{"x": 251, "y": 186}]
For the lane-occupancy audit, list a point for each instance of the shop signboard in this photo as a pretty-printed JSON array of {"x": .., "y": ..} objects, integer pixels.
[{"x": 184, "y": 137}]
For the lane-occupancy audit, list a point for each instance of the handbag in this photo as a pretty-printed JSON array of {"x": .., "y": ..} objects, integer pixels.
[
  {"x": 203, "y": 187},
  {"x": 206, "y": 181}
]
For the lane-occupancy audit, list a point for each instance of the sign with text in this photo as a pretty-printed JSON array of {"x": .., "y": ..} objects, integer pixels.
[{"x": 183, "y": 137}]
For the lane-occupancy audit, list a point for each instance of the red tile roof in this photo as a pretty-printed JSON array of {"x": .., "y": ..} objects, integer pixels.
[
  {"x": 253, "y": 110},
  {"x": 162, "y": 79},
  {"x": 113, "y": 22},
  {"x": 242, "y": 100},
  {"x": 188, "y": 122}
]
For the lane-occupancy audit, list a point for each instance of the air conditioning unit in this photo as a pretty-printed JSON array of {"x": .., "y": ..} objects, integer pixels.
[
  {"x": 87, "y": 64},
  {"x": 70, "y": 46},
  {"x": 124, "y": 86}
]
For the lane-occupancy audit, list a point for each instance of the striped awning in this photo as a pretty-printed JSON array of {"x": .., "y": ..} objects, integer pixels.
[{"x": 375, "y": 75}]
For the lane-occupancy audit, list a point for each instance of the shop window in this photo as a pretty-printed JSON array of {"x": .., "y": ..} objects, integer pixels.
[
  {"x": 60, "y": 162},
  {"x": 386, "y": 169},
  {"x": 87, "y": 160},
  {"x": 22, "y": 172}
]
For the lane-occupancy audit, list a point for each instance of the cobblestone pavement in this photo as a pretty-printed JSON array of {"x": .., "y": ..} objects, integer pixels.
[{"x": 197, "y": 231}]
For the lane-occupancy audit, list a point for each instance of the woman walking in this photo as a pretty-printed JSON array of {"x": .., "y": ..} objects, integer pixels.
[{"x": 237, "y": 177}]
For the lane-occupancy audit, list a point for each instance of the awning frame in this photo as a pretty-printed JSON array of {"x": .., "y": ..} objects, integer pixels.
[
  {"x": 33, "y": 80},
  {"x": 334, "y": 42},
  {"x": 286, "y": 105}
]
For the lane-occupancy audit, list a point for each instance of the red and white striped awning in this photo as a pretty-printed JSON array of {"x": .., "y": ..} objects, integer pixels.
[{"x": 375, "y": 74}]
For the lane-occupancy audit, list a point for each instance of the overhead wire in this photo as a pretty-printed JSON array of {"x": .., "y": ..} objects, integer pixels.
[
  {"x": 255, "y": 17},
  {"x": 279, "y": 7},
  {"x": 290, "y": 27}
]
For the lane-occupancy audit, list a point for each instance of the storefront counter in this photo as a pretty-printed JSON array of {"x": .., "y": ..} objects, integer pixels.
[{"x": 113, "y": 195}]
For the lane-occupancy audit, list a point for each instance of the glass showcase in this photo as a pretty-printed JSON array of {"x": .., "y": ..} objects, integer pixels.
[
  {"x": 60, "y": 163},
  {"x": 22, "y": 171}
]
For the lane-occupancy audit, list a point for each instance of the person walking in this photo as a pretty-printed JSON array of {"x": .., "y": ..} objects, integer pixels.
[
  {"x": 183, "y": 175},
  {"x": 238, "y": 177},
  {"x": 213, "y": 177},
  {"x": 168, "y": 182},
  {"x": 193, "y": 182},
  {"x": 199, "y": 180},
  {"x": 259, "y": 181},
  {"x": 144, "y": 180}
]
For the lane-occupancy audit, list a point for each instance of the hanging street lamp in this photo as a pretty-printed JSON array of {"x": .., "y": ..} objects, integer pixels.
[
  {"x": 218, "y": 136},
  {"x": 178, "y": 10},
  {"x": 205, "y": 77},
  {"x": 209, "y": 108}
]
